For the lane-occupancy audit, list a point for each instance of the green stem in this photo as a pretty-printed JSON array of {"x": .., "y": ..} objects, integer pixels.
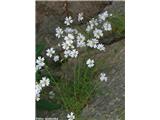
[
  {"x": 74, "y": 80},
  {"x": 63, "y": 100},
  {"x": 95, "y": 87},
  {"x": 78, "y": 72}
]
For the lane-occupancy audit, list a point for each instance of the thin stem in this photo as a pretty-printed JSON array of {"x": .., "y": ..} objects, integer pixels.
[
  {"x": 78, "y": 71},
  {"x": 63, "y": 100},
  {"x": 74, "y": 80},
  {"x": 95, "y": 87}
]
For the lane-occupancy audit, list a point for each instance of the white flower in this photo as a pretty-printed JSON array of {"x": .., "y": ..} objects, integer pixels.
[
  {"x": 71, "y": 116},
  {"x": 89, "y": 28},
  {"x": 98, "y": 33},
  {"x": 68, "y": 42},
  {"x": 80, "y": 37},
  {"x": 80, "y": 40},
  {"x": 93, "y": 22},
  {"x": 40, "y": 60},
  {"x": 92, "y": 43},
  {"x": 80, "y": 16},
  {"x": 73, "y": 53},
  {"x": 59, "y": 32},
  {"x": 38, "y": 89},
  {"x": 50, "y": 52},
  {"x": 38, "y": 67},
  {"x": 44, "y": 82},
  {"x": 103, "y": 77},
  {"x": 81, "y": 43},
  {"x": 70, "y": 30},
  {"x": 37, "y": 97},
  {"x": 90, "y": 63},
  {"x": 68, "y": 20},
  {"x": 103, "y": 16},
  {"x": 67, "y": 53},
  {"x": 69, "y": 39},
  {"x": 101, "y": 47},
  {"x": 65, "y": 46},
  {"x": 40, "y": 63},
  {"x": 56, "y": 58},
  {"x": 107, "y": 26}
]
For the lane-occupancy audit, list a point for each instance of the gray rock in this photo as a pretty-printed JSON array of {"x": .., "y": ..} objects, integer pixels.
[
  {"x": 117, "y": 7},
  {"x": 108, "y": 104},
  {"x": 63, "y": 8}
]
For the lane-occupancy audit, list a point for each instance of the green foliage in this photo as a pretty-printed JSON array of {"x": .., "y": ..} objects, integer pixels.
[
  {"x": 75, "y": 94},
  {"x": 40, "y": 48},
  {"x": 46, "y": 105},
  {"x": 38, "y": 76},
  {"x": 118, "y": 25}
]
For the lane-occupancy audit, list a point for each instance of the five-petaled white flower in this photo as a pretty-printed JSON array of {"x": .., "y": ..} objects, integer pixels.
[
  {"x": 101, "y": 47},
  {"x": 67, "y": 53},
  {"x": 71, "y": 116},
  {"x": 44, "y": 82},
  {"x": 68, "y": 20},
  {"x": 69, "y": 39},
  {"x": 103, "y": 16},
  {"x": 39, "y": 63},
  {"x": 90, "y": 63},
  {"x": 59, "y": 32},
  {"x": 50, "y": 52},
  {"x": 56, "y": 58},
  {"x": 93, "y": 22},
  {"x": 92, "y": 43},
  {"x": 65, "y": 46},
  {"x": 68, "y": 42},
  {"x": 89, "y": 28},
  {"x": 98, "y": 33},
  {"x": 107, "y": 26},
  {"x": 80, "y": 16},
  {"x": 103, "y": 77},
  {"x": 73, "y": 53}
]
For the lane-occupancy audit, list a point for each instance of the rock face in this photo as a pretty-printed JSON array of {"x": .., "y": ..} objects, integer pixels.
[
  {"x": 63, "y": 9},
  {"x": 117, "y": 7},
  {"x": 108, "y": 104}
]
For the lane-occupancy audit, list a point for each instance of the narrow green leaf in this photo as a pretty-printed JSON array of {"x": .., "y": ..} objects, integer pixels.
[{"x": 46, "y": 105}]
